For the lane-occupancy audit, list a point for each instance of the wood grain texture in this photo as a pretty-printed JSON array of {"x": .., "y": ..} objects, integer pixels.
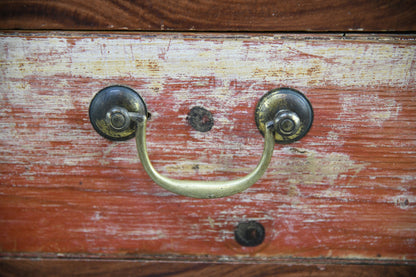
[
  {"x": 27, "y": 267},
  {"x": 210, "y": 15},
  {"x": 345, "y": 191}
]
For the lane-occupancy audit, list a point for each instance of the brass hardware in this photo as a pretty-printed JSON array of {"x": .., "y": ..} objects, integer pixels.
[
  {"x": 109, "y": 112},
  {"x": 290, "y": 111},
  {"x": 119, "y": 113},
  {"x": 203, "y": 189},
  {"x": 118, "y": 118},
  {"x": 286, "y": 122}
]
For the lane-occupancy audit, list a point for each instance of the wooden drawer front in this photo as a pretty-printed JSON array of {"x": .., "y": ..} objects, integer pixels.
[{"x": 346, "y": 190}]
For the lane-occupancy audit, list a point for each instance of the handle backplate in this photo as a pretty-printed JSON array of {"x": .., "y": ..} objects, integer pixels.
[
  {"x": 290, "y": 111},
  {"x": 109, "y": 112}
]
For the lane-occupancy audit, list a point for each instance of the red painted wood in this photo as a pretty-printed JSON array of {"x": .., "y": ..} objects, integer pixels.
[{"x": 347, "y": 190}]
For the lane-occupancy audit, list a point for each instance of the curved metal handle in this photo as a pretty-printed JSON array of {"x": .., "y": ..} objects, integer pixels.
[
  {"x": 282, "y": 115},
  {"x": 202, "y": 189}
]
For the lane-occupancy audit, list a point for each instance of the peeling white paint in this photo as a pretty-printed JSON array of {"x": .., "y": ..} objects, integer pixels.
[
  {"x": 326, "y": 63},
  {"x": 376, "y": 111},
  {"x": 315, "y": 167}
]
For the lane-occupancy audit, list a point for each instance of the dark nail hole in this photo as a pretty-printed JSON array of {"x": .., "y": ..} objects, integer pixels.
[
  {"x": 402, "y": 202},
  {"x": 200, "y": 119},
  {"x": 250, "y": 233}
]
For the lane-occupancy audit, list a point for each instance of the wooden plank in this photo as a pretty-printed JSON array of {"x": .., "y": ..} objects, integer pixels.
[
  {"x": 210, "y": 15},
  {"x": 345, "y": 191},
  {"x": 27, "y": 267}
]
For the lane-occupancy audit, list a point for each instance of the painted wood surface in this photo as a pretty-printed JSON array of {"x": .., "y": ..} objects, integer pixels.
[
  {"x": 345, "y": 192},
  {"x": 210, "y": 15}
]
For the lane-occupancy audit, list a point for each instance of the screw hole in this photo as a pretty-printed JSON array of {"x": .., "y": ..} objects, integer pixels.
[
  {"x": 250, "y": 233},
  {"x": 200, "y": 119}
]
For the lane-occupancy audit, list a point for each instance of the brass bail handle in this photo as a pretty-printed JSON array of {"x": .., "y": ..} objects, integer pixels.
[
  {"x": 203, "y": 189},
  {"x": 119, "y": 113}
]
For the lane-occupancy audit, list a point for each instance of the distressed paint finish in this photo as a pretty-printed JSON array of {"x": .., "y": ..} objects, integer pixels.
[{"x": 347, "y": 190}]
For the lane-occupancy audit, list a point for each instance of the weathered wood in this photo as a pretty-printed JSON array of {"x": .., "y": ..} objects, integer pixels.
[
  {"x": 27, "y": 267},
  {"x": 346, "y": 190},
  {"x": 210, "y": 15}
]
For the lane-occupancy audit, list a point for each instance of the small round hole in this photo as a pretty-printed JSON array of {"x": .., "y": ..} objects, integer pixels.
[
  {"x": 200, "y": 119},
  {"x": 250, "y": 233}
]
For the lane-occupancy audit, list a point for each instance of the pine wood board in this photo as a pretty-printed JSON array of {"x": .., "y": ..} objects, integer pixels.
[{"x": 344, "y": 192}]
